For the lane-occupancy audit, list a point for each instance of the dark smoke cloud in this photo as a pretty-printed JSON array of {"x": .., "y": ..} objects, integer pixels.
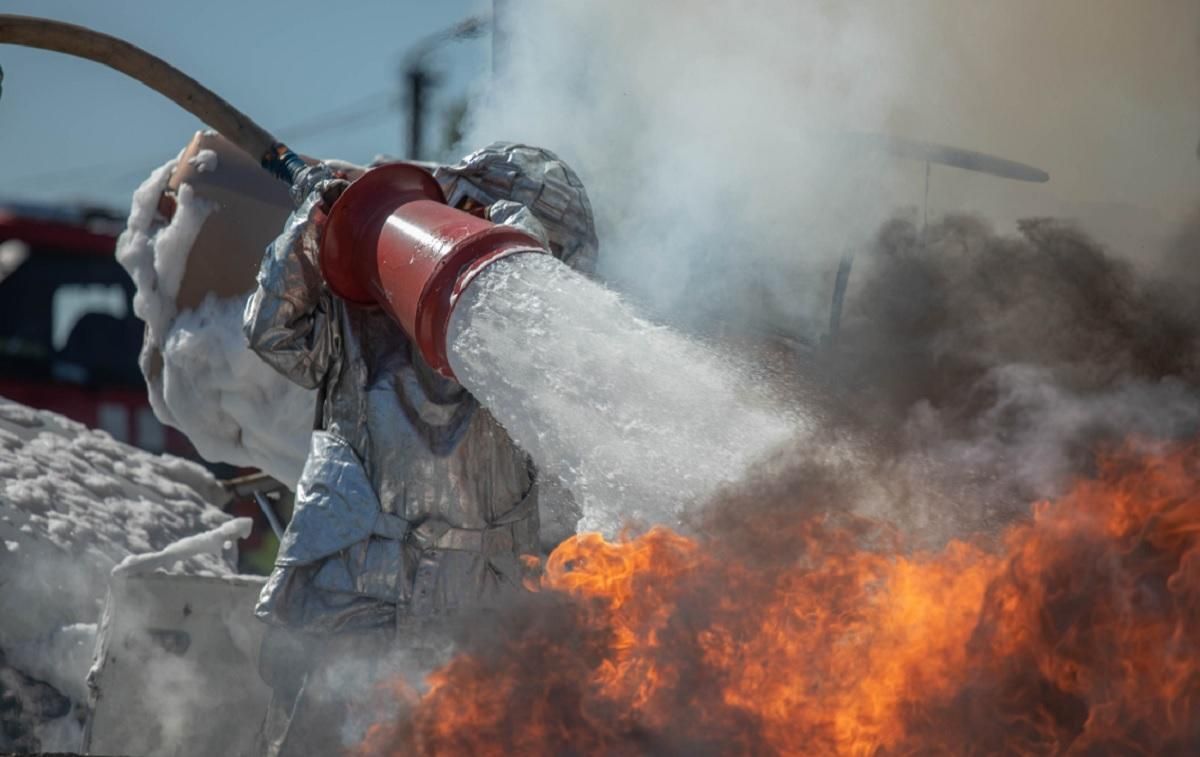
[
  {"x": 936, "y": 312},
  {"x": 1000, "y": 362}
]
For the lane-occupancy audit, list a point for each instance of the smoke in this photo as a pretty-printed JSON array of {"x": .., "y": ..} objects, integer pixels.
[
  {"x": 979, "y": 356},
  {"x": 678, "y": 117},
  {"x": 708, "y": 137},
  {"x": 174, "y": 668},
  {"x": 1006, "y": 361},
  {"x": 983, "y": 358},
  {"x": 793, "y": 627}
]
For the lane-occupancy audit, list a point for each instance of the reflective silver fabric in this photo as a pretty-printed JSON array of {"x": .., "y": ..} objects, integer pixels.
[
  {"x": 533, "y": 178},
  {"x": 413, "y": 500}
]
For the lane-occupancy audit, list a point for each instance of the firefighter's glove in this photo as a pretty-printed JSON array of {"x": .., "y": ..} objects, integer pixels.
[
  {"x": 301, "y": 233},
  {"x": 319, "y": 179}
]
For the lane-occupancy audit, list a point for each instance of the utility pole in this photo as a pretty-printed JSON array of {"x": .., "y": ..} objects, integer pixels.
[
  {"x": 418, "y": 78},
  {"x": 499, "y": 30}
]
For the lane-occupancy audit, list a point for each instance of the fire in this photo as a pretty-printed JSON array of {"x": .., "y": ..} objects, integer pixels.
[{"x": 1077, "y": 633}]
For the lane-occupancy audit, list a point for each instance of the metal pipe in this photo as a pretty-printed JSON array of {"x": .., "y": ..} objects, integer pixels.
[
  {"x": 418, "y": 79},
  {"x": 839, "y": 296},
  {"x": 250, "y": 483},
  {"x": 269, "y": 512},
  {"x": 160, "y": 76},
  {"x": 929, "y": 152}
]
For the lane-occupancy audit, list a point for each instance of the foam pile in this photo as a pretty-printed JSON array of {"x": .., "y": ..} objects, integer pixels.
[{"x": 201, "y": 376}]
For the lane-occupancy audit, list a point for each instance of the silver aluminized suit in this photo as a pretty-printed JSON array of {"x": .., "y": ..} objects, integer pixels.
[{"x": 413, "y": 500}]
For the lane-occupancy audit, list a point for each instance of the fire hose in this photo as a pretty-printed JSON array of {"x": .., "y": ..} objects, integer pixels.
[
  {"x": 390, "y": 239},
  {"x": 158, "y": 75}
]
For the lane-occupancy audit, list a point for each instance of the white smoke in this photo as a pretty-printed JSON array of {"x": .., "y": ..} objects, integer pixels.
[
  {"x": 706, "y": 133},
  {"x": 701, "y": 134},
  {"x": 707, "y": 136}
]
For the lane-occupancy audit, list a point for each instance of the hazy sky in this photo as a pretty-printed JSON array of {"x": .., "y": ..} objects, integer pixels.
[
  {"x": 72, "y": 129},
  {"x": 1104, "y": 94}
]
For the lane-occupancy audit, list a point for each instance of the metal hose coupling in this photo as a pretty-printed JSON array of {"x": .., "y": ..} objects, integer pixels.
[
  {"x": 282, "y": 163},
  {"x": 391, "y": 240},
  {"x": 304, "y": 178}
]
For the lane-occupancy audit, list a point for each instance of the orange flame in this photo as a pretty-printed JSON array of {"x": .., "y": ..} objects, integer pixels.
[{"x": 1080, "y": 634}]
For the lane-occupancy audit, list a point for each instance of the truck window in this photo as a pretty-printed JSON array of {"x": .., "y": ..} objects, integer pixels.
[{"x": 66, "y": 316}]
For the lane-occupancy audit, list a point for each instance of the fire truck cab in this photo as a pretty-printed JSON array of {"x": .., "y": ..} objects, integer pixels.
[{"x": 69, "y": 340}]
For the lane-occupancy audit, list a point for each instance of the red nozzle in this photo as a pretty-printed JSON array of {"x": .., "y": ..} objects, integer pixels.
[{"x": 391, "y": 240}]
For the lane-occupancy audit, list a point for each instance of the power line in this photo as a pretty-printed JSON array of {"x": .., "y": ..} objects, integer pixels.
[
  {"x": 349, "y": 115},
  {"x": 354, "y": 113},
  {"x": 93, "y": 169}
]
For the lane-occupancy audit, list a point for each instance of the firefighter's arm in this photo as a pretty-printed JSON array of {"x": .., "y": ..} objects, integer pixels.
[
  {"x": 288, "y": 318},
  {"x": 511, "y": 213}
]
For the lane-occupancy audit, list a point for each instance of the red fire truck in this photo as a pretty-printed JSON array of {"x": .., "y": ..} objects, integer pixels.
[{"x": 69, "y": 340}]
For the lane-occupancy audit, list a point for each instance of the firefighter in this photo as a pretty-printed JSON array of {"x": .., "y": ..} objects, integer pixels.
[{"x": 414, "y": 503}]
